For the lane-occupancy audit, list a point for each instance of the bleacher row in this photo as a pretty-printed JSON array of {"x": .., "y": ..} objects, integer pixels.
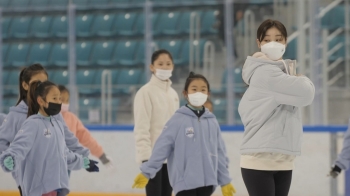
[
  {"x": 82, "y": 3},
  {"x": 110, "y": 54},
  {"x": 106, "y": 24}
]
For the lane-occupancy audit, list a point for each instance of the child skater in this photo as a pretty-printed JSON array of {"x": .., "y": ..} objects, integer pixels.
[
  {"x": 191, "y": 142},
  {"x": 80, "y": 131},
  {"x": 18, "y": 115},
  {"x": 154, "y": 105},
  {"x": 40, "y": 146}
]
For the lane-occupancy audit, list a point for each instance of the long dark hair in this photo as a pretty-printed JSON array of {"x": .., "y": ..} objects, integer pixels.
[
  {"x": 25, "y": 76},
  {"x": 36, "y": 89}
]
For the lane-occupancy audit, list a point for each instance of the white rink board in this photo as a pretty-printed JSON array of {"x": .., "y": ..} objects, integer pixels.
[{"x": 309, "y": 178}]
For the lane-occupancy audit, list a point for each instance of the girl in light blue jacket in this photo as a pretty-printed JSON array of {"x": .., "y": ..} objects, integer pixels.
[
  {"x": 191, "y": 142},
  {"x": 38, "y": 153},
  {"x": 18, "y": 114}
]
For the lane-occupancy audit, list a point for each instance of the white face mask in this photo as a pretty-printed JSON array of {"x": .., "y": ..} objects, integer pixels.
[
  {"x": 273, "y": 50},
  {"x": 64, "y": 107},
  {"x": 197, "y": 99},
  {"x": 163, "y": 74}
]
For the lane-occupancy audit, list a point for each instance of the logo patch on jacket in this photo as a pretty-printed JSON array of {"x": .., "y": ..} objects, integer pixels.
[
  {"x": 47, "y": 133},
  {"x": 189, "y": 132}
]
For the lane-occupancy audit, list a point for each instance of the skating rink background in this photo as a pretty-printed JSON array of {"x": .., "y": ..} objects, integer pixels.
[{"x": 309, "y": 177}]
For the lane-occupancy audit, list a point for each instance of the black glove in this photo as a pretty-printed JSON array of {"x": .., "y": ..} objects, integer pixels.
[
  {"x": 335, "y": 171},
  {"x": 93, "y": 166}
]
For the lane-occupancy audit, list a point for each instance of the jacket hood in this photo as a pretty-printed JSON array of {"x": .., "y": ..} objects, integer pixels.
[
  {"x": 22, "y": 107},
  {"x": 253, "y": 62}
]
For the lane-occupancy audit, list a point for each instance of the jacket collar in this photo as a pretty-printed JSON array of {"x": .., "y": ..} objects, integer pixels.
[{"x": 165, "y": 85}]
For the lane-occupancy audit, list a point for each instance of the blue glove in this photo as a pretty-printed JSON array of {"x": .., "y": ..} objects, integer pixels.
[
  {"x": 93, "y": 166},
  {"x": 86, "y": 163},
  {"x": 8, "y": 162}
]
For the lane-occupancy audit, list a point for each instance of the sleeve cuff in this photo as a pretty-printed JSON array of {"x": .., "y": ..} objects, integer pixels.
[{"x": 104, "y": 159}]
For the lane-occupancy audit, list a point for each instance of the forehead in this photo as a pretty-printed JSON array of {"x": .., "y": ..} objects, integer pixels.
[
  {"x": 198, "y": 83},
  {"x": 163, "y": 57},
  {"x": 273, "y": 32},
  {"x": 54, "y": 91}
]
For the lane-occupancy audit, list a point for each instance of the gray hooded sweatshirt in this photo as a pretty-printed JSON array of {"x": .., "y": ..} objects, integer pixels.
[{"x": 269, "y": 108}]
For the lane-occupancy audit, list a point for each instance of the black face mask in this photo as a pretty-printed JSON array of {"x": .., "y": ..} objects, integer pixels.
[{"x": 53, "y": 109}]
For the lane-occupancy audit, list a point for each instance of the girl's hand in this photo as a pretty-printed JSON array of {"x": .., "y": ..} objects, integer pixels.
[
  {"x": 8, "y": 163},
  {"x": 228, "y": 190},
  {"x": 140, "y": 181}
]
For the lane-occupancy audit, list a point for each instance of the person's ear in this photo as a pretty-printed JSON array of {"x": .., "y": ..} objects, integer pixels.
[
  {"x": 40, "y": 101},
  {"x": 25, "y": 86},
  {"x": 185, "y": 94},
  {"x": 258, "y": 43},
  {"x": 151, "y": 67}
]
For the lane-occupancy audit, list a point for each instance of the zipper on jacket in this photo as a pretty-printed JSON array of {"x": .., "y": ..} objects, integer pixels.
[{"x": 205, "y": 184}]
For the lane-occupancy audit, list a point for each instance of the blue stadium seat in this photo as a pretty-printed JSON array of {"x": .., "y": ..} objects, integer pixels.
[
  {"x": 184, "y": 57},
  {"x": 239, "y": 85},
  {"x": 220, "y": 107},
  {"x": 5, "y": 76},
  {"x": 20, "y": 27},
  {"x": 39, "y": 53},
  {"x": 184, "y": 24},
  {"x": 59, "y": 3},
  {"x": 291, "y": 51},
  {"x": 167, "y": 24},
  {"x": 124, "y": 54},
  {"x": 99, "y": 2},
  {"x": 17, "y": 55},
  {"x": 125, "y": 23},
  {"x": 208, "y": 19},
  {"x": 174, "y": 47},
  {"x": 85, "y": 77},
  {"x": 83, "y": 51},
  {"x": 59, "y": 55},
  {"x": 261, "y": 1},
  {"x": 10, "y": 101},
  {"x": 5, "y": 48},
  {"x": 102, "y": 53},
  {"x": 140, "y": 22},
  {"x": 13, "y": 78},
  {"x": 6, "y": 21},
  {"x": 40, "y": 3},
  {"x": 83, "y": 25},
  {"x": 127, "y": 77},
  {"x": 59, "y": 26},
  {"x": 85, "y": 104},
  {"x": 334, "y": 19},
  {"x": 81, "y": 3},
  {"x": 340, "y": 52},
  {"x": 86, "y": 81},
  {"x": 19, "y": 3},
  {"x": 102, "y": 25},
  {"x": 4, "y": 3},
  {"x": 140, "y": 54},
  {"x": 40, "y": 26},
  {"x": 60, "y": 77}
]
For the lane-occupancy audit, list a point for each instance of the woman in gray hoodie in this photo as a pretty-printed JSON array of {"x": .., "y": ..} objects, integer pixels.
[{"x": 270, "y": 113}]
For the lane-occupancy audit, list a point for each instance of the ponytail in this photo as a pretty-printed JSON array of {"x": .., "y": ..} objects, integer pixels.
[
  {"x": 37, "y": 89},
  {"x": 26, "y": 76},
  {"x": 22, "y": 91}
]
